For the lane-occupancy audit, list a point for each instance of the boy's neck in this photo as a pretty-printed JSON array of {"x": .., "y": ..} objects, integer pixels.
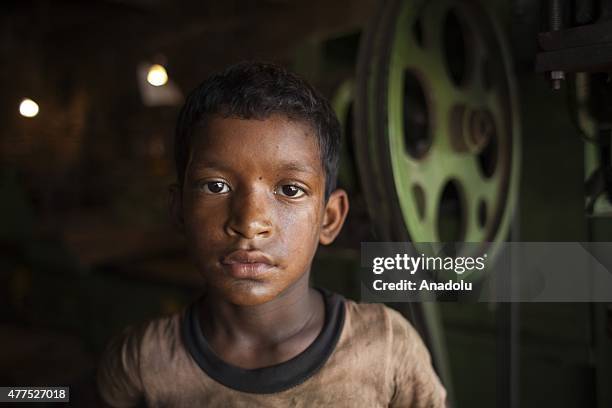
[{"x": 266, "y": 334}]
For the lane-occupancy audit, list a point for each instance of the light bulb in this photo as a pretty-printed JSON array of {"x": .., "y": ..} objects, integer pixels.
[
  {"x": 28, "y": 108},
  {"x": 157, "y": 75}
]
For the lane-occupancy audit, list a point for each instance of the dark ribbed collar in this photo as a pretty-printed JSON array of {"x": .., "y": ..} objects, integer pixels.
[{"x": 271, "y": 379}]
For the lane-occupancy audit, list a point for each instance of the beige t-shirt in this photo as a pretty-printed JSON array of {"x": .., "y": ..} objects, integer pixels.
[{"x": 367, "y": 355}]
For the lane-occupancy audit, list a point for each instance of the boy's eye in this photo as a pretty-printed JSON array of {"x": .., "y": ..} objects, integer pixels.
[
  {"x": 216, "y": 187},
  {"x": 292, "y": 191}
]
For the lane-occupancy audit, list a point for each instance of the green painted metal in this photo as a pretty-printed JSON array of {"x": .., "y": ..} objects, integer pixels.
[
  {"x": 391, "y": 164},
  {"x": 410, "y": 49}
]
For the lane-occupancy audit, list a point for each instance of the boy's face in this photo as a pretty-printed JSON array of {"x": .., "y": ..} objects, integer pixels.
[{"x": 253, "y": 207}]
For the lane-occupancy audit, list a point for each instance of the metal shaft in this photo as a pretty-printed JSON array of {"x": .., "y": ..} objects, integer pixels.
[{"x": 556, "y": 22}]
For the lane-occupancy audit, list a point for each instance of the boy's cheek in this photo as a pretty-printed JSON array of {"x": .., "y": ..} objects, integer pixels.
[
  {"x": 203, "y": 241},
  {"x": 204, "y": 218}
]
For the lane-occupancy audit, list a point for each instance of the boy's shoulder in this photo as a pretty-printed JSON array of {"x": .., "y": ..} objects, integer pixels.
[
  {"x": 157, "y": 339},
  {"x": 148, "y": 335},
  {"x": 388, "y": 343},
  {"x": 147, "y": 347},
  {"x": 378, "y": 318}
]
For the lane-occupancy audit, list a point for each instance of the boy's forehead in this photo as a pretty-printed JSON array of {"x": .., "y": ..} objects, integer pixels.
[{"x": 277, "y": 140}]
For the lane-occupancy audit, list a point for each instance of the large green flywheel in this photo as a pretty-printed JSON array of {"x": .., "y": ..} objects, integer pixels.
[
  {"x": 436, "y": 124},
  {"x": 436, "y": 132}
]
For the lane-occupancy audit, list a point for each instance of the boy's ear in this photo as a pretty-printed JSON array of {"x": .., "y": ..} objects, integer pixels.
[
  {"x": 175, "y": 207},
  {"x": 336, "y": 209}
]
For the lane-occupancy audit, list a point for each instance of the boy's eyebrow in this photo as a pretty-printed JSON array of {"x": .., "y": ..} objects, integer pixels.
[
  {"x": 207, "y": 166},
  {"x": 298, "y": 167}
]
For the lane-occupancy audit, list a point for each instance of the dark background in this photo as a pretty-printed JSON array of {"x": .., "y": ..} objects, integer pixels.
[{"x": 86, "y": 246}]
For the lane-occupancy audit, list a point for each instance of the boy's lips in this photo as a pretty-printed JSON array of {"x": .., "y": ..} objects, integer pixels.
[{"x": 243, "y": 264}]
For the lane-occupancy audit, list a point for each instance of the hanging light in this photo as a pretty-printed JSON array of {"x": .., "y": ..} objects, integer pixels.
[
  {"x": 157, "y": 75},
  {"x": 28, "y": 108}
]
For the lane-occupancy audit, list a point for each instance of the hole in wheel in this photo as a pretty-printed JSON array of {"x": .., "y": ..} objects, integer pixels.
[
  {"x": 419, "y": 200},
  {"x": 456, "y": 50},
  {"x": 417, "y": 138},
  {"x": 417, "y": 31},
  {"x": 451, "y": 214},
  {"x": 482, "y": 213},
  {"x": 487, "y": 158}
]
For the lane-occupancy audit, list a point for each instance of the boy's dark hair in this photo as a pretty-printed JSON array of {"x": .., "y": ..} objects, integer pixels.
[{"x": 256, "y": 90}]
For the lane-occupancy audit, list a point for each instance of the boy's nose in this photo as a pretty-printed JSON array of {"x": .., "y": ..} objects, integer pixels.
[{"x": 249, "y": 217}]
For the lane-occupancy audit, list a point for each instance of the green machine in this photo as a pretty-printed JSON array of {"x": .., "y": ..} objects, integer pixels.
[
  {"x": 436, "y": 134},
  {"x": 434, "y": 119}
]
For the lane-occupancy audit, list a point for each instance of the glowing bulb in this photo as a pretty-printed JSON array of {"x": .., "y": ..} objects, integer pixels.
[
  {"x": 157, "y": 75},
  {"x": 28, "y": 108}
]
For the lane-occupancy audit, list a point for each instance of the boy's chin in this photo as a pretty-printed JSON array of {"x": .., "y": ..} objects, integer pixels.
[{"x": 248, "y": 293}]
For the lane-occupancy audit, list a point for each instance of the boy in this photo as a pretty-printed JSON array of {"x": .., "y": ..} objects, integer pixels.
[{"x": 256, "y": 151}]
